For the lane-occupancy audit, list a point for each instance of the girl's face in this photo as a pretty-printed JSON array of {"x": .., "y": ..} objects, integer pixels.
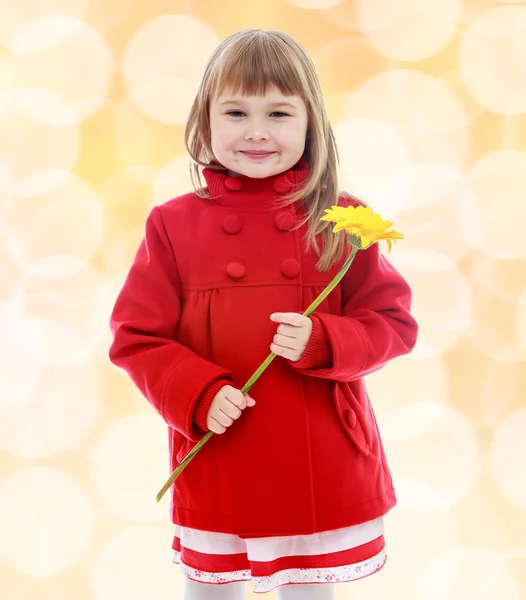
[{"x": 258, "y": 136}]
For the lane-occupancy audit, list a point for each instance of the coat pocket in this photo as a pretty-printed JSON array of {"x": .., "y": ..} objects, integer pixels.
[{"x": 351, "y": 406}]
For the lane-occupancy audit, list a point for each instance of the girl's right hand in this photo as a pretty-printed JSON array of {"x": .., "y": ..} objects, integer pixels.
[{"x": 226, "y": 407}]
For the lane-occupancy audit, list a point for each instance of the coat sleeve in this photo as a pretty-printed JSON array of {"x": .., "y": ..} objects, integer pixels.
[
  {"x": 375, "y": 326},
  {"x": 144, "y": 325}
]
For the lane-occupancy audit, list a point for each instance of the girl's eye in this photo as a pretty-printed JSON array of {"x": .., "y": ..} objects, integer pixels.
[
  {"x": 279, "y": 114},
  {"x": 235, "y": 113}
]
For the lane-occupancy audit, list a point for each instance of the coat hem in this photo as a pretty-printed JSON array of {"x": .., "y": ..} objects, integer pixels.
[{"x": 353, "y": 514}]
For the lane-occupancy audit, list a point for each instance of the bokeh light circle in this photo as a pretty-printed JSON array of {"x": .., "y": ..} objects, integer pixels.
[
  {"x": 521, "y": 322},
  {"x": 408, "y": 30},
  {"x": 22, "y": 142},
  {"x": 424, "y": 201},
  {"x": 492, "y": 63},
  {"x": 434, "y": 455},
  {"x": 494, "y": 224},
  {"x": 508, "y": 457},
  {"x": 314, "y": 4},
  {"x": 171, "y": 180},
  {"x": 163, "y": 65},
  {"x": 371, "y": 154},
  {"x": 442, "y": 300},
  {"x": 20, "y": 372},
  {"x": 423, "y": 110},
  {"x": 128, "y": 462},
  {"x": 62, "y": 69},
  {"x": 469, "y": 572},
  {"x": 55, "y": 419},
  {"x": 133, "y": 564},
  {"x": 55, "y": 224},
  {"x": 44, "y": 508},
  {"x": 413, "y": 376},
  {"x": 15, "y": 15}
]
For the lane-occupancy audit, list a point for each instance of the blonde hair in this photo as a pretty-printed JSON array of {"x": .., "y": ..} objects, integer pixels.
[{"x": 250, "y": 62}]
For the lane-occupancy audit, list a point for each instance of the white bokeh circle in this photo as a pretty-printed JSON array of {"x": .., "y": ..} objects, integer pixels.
[
  {"x": 492, "y": 59},
  {"x": 6, "y": 175},
  {"x": 46, "y": 521},
  {"x": 503, "y": 279},
  {"x": 442, "y": 301},
  {"x": 62, "y": 69},
  {"x": 171, "y": 180},
  {"x": 508, "y": 457},
  {"x": 53, "y": 341},
  {"x": 57, "y": 322},
  {"x": 58, "y": 417},
  {"x": 107, "y": 16},
  {"x": 129, "y": 461},
  {"x": 408, "y": 30},
  {"x": 55, "y": 223},
  {"x": 22, "y": 142},
  {"x": 521, "y": 322},
  {"x": 70, "y": 326},
  {"x": 494, "y": 224},
  {"x": 314, "y": 4},
  {"x": 16, "y": 15},
  {"x": 427, "y": 199},
  {"x": 406, "y": 381},
  {"x": 20, "y": 372},
  {"x": 371, "y": 155},
  {"x": 433, "y": 453},
  {"x": 163, "y": 65},
  {"x": 133, "y": 564},
  {"x": 129, "y": 188},
  {"x": 469, "y": 572},
  {"x": 500, "y": 380},
  {"x": 119, "y": 255},
  {"x": 409, "y": 548},
  {"x": 424, "y": 111}
]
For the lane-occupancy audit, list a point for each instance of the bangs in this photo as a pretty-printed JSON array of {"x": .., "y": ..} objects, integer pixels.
[{"x": 257, "y": 64}]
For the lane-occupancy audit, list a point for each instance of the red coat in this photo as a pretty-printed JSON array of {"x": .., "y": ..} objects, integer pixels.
[{"x": 194, "y": 315}]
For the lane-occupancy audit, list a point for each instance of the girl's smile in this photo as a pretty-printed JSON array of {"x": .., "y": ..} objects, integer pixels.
[{"x": 256, "y": 154}]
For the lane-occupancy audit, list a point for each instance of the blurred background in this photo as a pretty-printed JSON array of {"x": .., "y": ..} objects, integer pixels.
[{"x": 428, "y": 101}]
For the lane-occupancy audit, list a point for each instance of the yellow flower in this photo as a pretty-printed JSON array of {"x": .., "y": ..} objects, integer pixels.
[{"x": 363, "y": 226}]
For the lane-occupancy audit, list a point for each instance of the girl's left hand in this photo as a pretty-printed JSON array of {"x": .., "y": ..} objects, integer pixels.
[{"x": 292, "y": 335}]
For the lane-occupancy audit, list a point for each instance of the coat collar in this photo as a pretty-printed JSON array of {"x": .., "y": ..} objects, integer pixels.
[{"x": 256, "y": 193}]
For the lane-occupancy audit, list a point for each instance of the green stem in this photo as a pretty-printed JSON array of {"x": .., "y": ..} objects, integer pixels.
[{"x": 338, "y": 277}]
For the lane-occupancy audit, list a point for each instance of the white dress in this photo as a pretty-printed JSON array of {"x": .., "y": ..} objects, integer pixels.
[{"x": 339, "y": 555}]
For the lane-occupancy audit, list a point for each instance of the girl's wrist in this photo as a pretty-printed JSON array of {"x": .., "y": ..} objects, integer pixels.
[
  {"x": 202, "y": 408},
  {"x": 318, "y": 352}
]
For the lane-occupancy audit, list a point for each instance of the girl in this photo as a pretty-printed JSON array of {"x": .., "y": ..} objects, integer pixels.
[{"x": 293, "y": 489}]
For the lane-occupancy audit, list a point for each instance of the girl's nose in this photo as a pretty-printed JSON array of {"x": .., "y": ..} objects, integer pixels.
[{"x": 256, "y": 132}]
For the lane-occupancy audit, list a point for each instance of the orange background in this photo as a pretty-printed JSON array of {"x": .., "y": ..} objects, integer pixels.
[{"x": 428, "y": 101}]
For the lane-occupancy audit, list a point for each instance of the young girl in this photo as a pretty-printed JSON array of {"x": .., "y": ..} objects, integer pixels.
[{"x": 292, "y": 489}]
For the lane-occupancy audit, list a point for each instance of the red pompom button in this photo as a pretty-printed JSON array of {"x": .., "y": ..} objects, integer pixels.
[
  {"x": 282, "y": 185},
  {"x": 285, "y": 220},
  {"x": 351, "y": 418},
  {"x": 235, "y": 270},
  {"x": 233, "y": 224},
  {"x": 290, "y": 268}
]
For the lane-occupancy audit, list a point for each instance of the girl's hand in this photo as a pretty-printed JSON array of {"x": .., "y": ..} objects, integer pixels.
[
  {"x": 227, "y": 406},
  {"x": 292, "y": 335}
]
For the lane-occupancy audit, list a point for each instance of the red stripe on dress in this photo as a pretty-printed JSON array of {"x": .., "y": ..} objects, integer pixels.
[
  {"x": 214, "y": 563},
  {"x": 319, "y": 561},
  {"x": 222, "y": 563}
]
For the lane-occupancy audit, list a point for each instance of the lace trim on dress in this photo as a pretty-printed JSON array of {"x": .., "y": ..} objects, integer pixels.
[{"x": 289, "y": 576}]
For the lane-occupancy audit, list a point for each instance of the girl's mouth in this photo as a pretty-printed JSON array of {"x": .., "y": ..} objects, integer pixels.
[{"x": 256, "y": 154}]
